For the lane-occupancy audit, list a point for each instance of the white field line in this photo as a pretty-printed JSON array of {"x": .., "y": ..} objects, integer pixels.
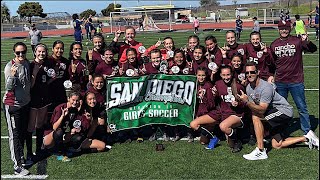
[{"x": 9, "y": 176}]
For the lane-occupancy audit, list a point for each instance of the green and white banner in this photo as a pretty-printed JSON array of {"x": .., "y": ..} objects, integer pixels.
[{"x": 133, "y": 102}]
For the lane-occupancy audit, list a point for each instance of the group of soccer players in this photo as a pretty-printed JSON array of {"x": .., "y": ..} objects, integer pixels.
[{"x": 63, "y": 100}]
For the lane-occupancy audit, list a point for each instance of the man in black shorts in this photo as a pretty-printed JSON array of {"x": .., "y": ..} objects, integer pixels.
[{"x": 269, "y": 108}]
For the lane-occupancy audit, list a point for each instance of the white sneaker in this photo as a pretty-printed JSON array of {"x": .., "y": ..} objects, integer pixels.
[
  {"x": 256, "y": 154},
  {"x": 313, "y": 139}
]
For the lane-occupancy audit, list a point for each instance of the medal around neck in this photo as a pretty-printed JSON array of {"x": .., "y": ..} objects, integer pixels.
[
  {"x": 51, "y": 73},
  {"x": 142, "y": 49},
  {"x": 77, "y": 123},
  {"x": 212, "y": 66},
  {"x": 170, "y": 53},
  {"x": 185, "y": 71},
  {"x": 129, "y": 72},
  {"x": 67, "y": 84},
  {"x": 163, "y": 66},
  {"x": 175, "y": 69}
]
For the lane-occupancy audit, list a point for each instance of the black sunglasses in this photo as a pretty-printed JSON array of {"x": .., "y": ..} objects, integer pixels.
[
  {"x": 20, "y": 52},
  {"x": 250, "y": 72}
]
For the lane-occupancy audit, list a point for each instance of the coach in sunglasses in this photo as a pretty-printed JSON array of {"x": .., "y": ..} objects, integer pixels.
[
  {"x": 16, "y": 104},
  {"x": 270, "y": 112}
]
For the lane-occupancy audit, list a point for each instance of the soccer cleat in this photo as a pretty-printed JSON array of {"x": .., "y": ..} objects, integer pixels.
[
  {"x": 312, "y": 139},
  {"x": 177, "y": 138},
  {"x": 152, "y": 137},
  {"x": 213, "y": 142},
  {"x": 166, "y": 137},
  {"x": 256, "y": 154},
  {"x": 252, "y": 140},
  {"x": 139, "y": 140},
  {"x": 21, "y": 171},
  {"x": 190, "y": 138},
  {"x": 108, "y": 147},
  {"x": 236, "y": 147}
]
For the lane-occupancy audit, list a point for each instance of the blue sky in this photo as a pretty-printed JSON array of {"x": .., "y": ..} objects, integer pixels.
[{"x": 79, "y": 6}]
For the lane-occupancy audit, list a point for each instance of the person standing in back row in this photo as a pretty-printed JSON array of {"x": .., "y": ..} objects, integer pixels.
[
  {"x": 35, "y": 37},
  {"x": 238, "y": 27},
  {"x": 287, "y": 54},
  {"x": 256, "y": 25}
]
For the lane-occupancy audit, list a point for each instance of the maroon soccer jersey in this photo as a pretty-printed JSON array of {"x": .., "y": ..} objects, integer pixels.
[
  {"x": 96, "y": 59},
  {"x": 237, "y": 49},
  {"x": 127, "y": 65},
  {"x": 225, "y": 97},
  {"x": 201, "y": 63},
  {"x": 79, "y": 77},
  {"x": 100, "y": 95},
  {"x": 68, "y": 121},
  {"x": 56, "y": 88},
  {"x": 287, "y": 54},
  {"x": 262, "y": 59},
  {"x": 216, "y": 56},
  {"x": 184, "y": 69},
  {"x": 150, "y": 69},
  {"x": 205, "y": 103},
  {"x": 106, "y": 69},
  {"x": 40, "y": 90}
]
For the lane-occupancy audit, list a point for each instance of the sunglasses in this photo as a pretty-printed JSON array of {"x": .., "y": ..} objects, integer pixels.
[
  {"x": 250, "y": 72},
  {"x": 20, "y": 52}
]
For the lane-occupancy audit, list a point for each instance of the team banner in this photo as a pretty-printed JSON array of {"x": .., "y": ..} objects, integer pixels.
[{"x": 133, "y": 102}]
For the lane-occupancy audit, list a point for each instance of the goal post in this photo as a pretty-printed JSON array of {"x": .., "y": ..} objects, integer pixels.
[{"x": 152, "y": 20}]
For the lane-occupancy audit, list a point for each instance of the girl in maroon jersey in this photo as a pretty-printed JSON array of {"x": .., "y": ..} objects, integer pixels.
[
  {"x": 42, "y": 75},
  {"x": 205, "y": 106},
  {"x": 231, "y": 109},
  {"x": 61, "y": 65},
  {"x": 79, "y": 74},
  {"x": 98, "y": 89},
  {"x": 213, "y": 53},
  {"x": 108, "y": 67},
  {"x": 233, "y": 47},
  {"x": 94, "y": 56},
  {"x": 97, "y": 132},
  {"x": 200, "y": 60},
  {"x": 184, "y": 67},
  {"x": 193, "y": 41},
  {"x": 260, "y": 54},
  {"x": 167, "y": 52},
  {"x": 131, "y": 66}
]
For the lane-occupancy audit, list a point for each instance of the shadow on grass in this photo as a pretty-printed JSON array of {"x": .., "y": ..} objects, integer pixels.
[{"x": 294, "y": 125}]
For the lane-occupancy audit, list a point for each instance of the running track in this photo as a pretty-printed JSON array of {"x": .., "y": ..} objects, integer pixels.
[{"x": 185, "y": 26}]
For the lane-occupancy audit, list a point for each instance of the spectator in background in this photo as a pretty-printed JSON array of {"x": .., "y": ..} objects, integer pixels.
[
  {"x": 287, "y": 17},
  {"x": 316, "y": 20},
  {"x": 300, "y": 26},
  {"x": 282, "y": 16},
  {"x": 238, "y": 27},
  {"x": 309, "y": 19},
  {"x": 77, "y": 27},
  {"x": 141, "y": 25},
  {"x": 35, "y": 37},
  {"x": 196, "y": 25},
  {"x": 256, "y": 25},
  {"x": 99, "y": 29},
  {"x": 219, "y": 18}
]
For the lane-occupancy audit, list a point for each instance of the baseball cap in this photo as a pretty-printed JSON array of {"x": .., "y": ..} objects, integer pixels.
[{"x": 284, "y": 25}]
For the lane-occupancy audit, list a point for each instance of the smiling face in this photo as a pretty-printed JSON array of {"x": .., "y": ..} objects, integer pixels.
[
  {"x": 41, "y": 53},
  {"x": 130, "y": 34},
  {"x": 198, "y": 54},
  {"x": 230, "y": 38},
  {"x": 226, "y": 75},
  {"x": 91, "y": 100},
  {"x": 192, "y": 42},
  {"x": 108, "y": 56},
  {"x": 168, "y": 44},
  {"x": 201, "y": 76},
  {"x": 58, "y": 50},
  {"x": 255, "y": 40},
  {"x": 284, "y": 32},
  {"x": 210, "y": 45},
  {"x": 97, "y": 43},
  {"x": 76, "y": 51},
  {"x": 251, "y": 74},
  {"x": 98, "y": 83},
  {"x": 74, "y": 101},
  {"x": 155, "y": 58},
  {"x": 20, "y": 53},
  {"x": 178, "y": 58},
  {"x": 132, "y": 56},
  {"x": 236, "y": 62}
]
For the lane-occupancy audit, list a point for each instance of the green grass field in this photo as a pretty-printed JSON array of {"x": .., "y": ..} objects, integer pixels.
[{"x": 183, "y": 160}]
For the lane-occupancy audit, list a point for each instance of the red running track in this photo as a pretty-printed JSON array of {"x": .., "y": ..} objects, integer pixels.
[{"x": 185, "y": 26}]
